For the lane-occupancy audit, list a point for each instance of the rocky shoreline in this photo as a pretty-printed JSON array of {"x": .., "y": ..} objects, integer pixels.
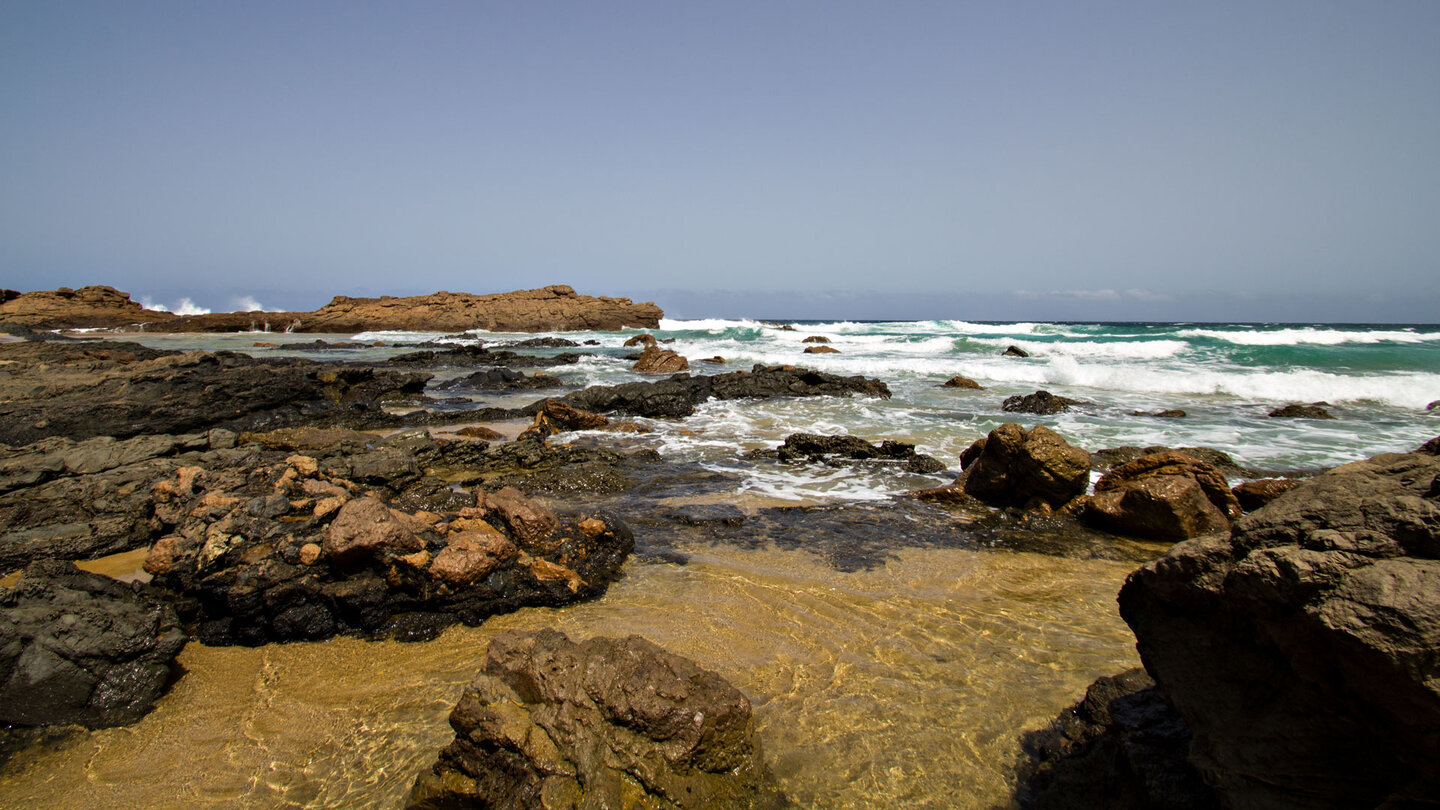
[
  {"x": 289, "y": 499},
  {"x": 549, "y": 309}
]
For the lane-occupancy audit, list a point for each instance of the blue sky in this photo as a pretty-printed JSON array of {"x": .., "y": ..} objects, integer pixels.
[{"x": 1027, "y": 160}]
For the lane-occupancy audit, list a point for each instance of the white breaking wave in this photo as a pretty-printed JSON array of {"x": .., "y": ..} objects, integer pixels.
[
  {"x": 1321, "y": 337},
  {"x": 188, "y": 307},
  {"x": 707, "y": 325},
  {"x": 1116, "y": 350}
]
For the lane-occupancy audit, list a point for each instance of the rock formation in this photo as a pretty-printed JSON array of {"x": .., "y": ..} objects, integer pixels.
[
  {"x": 549, "y": 309},
  {"x": 821, "y": 350},
  {"x": 1040, "y": 402},
  {"x": 1295, "y": 411},
  {"x": 677, "y": 396},
  {"x": 81, "y": 648},
  {"x": 1018, "y": 467},
  {"x": 831, "y": 449},
  {"x": 1256, "y": 494},
  {"x": 963, "y": 382},
  {"x": 1162, "y": 496},
  {"x": 655, "y": 360},
  {"x": 1300, "y": 647},
  {"x": 549, "y": 723}
]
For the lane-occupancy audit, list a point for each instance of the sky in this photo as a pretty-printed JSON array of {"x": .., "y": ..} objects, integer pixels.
[{"x": 1221, "y": 161}]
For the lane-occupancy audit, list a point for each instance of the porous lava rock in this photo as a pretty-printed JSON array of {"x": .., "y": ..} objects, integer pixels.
[
  {"x": 1122, "y": 747},
  {"x": 1043, "y": 403},
  {"x": 1299, "y": 647},
  {"x": 275, "y": 547},
  {"x": 1162, "y": 496},
  {"x": 1019, "y": 467},
  {"x": 549, "y": 723},
  {"x": 81, "y": 648}
]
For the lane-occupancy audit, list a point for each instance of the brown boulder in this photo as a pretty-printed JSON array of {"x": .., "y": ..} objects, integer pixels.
[
  {"x": 655, "y": 360},
  {"x": 480, "y": 432},
  {"x": 1162, "y": 496},
  {"x": 470, "y": 556},
  {"x": 816, "y": 339},
  {"x": 364, "y": 527},
  {"x": 1174, "y": 462},
  {"x": 962, "y": 382},
  {"x": 1253, "y": 495},
  {"x": 643, "y": 339},
  {"x": 605, "y": 723},
  {"x": 821, "y": 350},
  {"x": 532, "y": 524},
  {"x": 1018, "y": 467},
  {"x": 555, "y": 416},
  {"x": 87, "y": 307}
]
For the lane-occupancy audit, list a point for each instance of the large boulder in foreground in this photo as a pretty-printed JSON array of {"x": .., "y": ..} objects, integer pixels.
[
  {"x": 1019, "y": 467},
  {"x": 1300, "y": 647},
  {"x": 1168, "y": 495},
  {"x": 549, "y": 723},
  {"x": 81, "y": 648}
]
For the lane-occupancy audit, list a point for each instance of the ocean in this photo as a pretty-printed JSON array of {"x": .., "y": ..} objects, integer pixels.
[{"x": 893, "y": 651}]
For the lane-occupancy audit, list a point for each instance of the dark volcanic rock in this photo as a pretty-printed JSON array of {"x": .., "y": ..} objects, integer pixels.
[
  {"x": 105, "y": 388},
  {"x": 500, "y": 379},
  {"x": 677, "y": 396},
  {"x": 1040, "y": 402},
  {"x": 826, "y": 449},
  {"x": 81, "y": 648},
  {"x": 1294, "y": 411},
  {"x": 470, "y": 356},
  {"x": 1017, "y": 466},
  {"x": 275, "y": 548},
  {"x": 1120, "y": 748},
  {"x": 613, "y": 723},
  {"x": 1162, "y": 496},
  {"x": 1300, "y": 647}
]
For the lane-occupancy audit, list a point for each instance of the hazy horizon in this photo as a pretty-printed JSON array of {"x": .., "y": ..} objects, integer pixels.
[{"x": 1030, "y": 161}]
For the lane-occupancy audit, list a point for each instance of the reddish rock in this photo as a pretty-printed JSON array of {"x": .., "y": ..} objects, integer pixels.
[
  {"x": 1174, "y": 462},
  {"x": 365, "y": 527},
  {"x": 963, "y": 382},
  {"x": 1253, "y": 495},
  {"x": 470, "y": 556},
  {"x": 87, "y": 307},
  {"x": 655, "y": 360},
  {"x": 646, "y": 340},
  {"x": 1161, "y": 507},
  {"x": 532, "y": 524}
]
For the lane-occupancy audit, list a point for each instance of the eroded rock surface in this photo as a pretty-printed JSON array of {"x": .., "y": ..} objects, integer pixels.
[
  {"x": 549, "y": 723},
  {"x": 1168, "y": 495},
  {"x": 1300, "y": 646},
  {"x": 1018, "y": 467}
]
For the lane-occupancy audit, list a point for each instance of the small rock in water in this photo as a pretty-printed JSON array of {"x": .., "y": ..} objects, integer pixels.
[
  {"x": 816, "y": 339},
  {"x": 1015, "y": 351},
  {"x": 821, "y": 350},
  {"x": 1293, "y": 411},
  {"x": 962, "y": 382},
  {"x": 1040, "y": 402}
]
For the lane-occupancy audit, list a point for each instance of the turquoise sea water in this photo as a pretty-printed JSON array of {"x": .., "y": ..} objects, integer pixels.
[{"x": 1376, "y": 379}]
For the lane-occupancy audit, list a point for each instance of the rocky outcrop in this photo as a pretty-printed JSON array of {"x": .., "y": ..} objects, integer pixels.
[
  {"x": 677, "y": 396},
  {"x": 549, "y": 309},
  {"x": 963, "y": 382},
  {"x": 821, "y": 350},
  {"x": 1018, "y": 467},
  {"x": 81, "y": 648},
  {"x": 549, "y": 723},
  {"x": 1162, "y": 496},
  {"x": 655, "y": 360},
  {"x": 1296, "y": 411},
  {"x": 263, "y": 546},
  {"x": 555, "y": 416},
  {"x": 500, "y": 379},
  {"x": 85, "y": 308},
  {"x": 643, "y": 340},
  {"x": 1122, "y": 747},
  {"x": 84, "y": 389},
  {"x": 820, "y": 449},
  {"x": 1300, "y": 647},
  {"x": 1040, "y": 402}
]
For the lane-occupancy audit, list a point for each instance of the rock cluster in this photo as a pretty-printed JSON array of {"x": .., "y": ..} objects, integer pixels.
[
  {"x": 1040, "y": 402},
  {"x": 81, "y": 648},
  {"x": 829, "y": 449},
  {"x": 275, "y": 547},
  {"x": 1299, "y": 647},
  {"x": 677, "y": 396},
  {"x": 549, "y": 723}
]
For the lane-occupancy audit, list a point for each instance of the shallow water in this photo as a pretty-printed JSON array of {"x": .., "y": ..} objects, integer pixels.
[{"x": 904, "y": 684}]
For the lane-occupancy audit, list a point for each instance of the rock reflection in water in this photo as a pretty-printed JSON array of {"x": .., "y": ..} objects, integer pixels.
[{"x": 904, "y": 683}]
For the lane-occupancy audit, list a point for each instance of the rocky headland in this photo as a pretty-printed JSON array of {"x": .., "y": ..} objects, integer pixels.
[{"x": 548, "y": 309}]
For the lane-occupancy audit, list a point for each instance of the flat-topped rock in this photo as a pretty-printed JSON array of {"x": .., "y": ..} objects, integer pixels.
[{"x": 88, "y": 307}]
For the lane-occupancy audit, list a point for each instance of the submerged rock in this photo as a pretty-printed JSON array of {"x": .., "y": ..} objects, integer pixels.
[
  {"x": 1018, "y": 467},
  {"x": 1040, "y": 402},
  {"x": 826, "y": 449},
  {"x": 81, "y": 648},
  {"x": 963, "y": 382},
  {"x": 677, "y": 396},
  {"x": 549, "y": 723},
  {"x": 1300, "y": 647},
  {"x": 1294, "y": 411}
]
